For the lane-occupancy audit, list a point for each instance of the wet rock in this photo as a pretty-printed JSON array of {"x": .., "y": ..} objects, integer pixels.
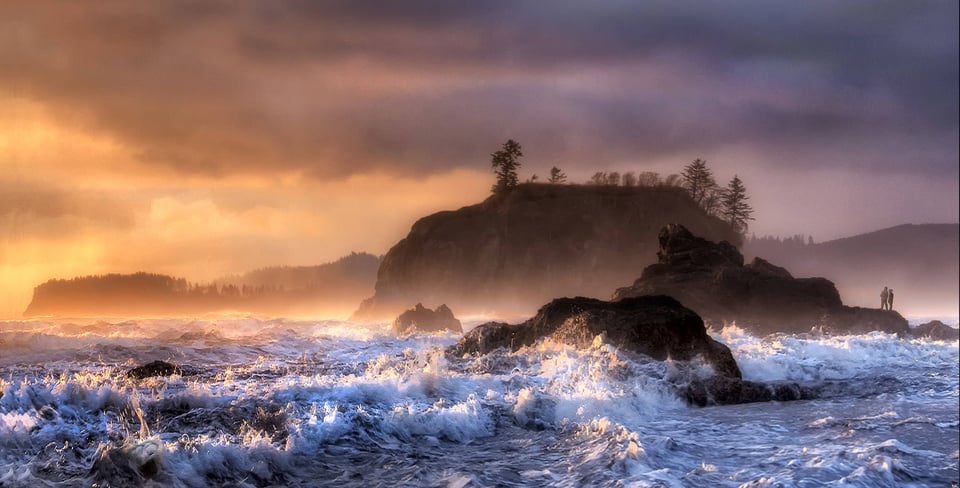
[
  {"x": 711, "y": 279},
  {"x": 159, "y": 368},
  {"x": 656, "y": 326},
  {"x": 721, "y": 390},
  {"x": 422, "y": 319},
  {"x": 936, "y": 330}
]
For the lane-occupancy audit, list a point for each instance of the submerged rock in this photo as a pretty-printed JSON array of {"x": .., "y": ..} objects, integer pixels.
[
  {"x": 656, "y": 326},
  {"x": 936, "y": 330},
  {"x": 710, "y": 278},
  {"x": 422, "y": 319},
  {"x": 721, "y": 390}
]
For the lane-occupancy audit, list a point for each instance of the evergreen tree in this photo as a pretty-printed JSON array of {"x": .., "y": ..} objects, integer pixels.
[
  {"x": 557, "y": 176},
  {"x": 734, "y": 206},
  {"x": 505, "y": 163},
  {"x": 699, "y": 182}
]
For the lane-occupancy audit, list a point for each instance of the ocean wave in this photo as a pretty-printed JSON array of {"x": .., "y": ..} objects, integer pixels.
[{"x": 281, "y": 402}]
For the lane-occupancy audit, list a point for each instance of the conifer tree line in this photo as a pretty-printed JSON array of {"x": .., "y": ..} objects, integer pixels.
[{"x": 729, "y": 203}]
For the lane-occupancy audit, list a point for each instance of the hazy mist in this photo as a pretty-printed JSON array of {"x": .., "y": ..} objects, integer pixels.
[{"x": 204, "y": 140}]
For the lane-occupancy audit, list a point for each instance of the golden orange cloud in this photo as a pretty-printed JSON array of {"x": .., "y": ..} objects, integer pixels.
[{"x": 77, "y": 202}]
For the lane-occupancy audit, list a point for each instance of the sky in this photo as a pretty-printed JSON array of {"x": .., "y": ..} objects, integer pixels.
[{"x": 205, "y": 138}]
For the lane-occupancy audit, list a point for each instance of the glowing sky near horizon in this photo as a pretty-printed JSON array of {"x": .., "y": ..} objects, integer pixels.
[{"x": 204, "y": 138}]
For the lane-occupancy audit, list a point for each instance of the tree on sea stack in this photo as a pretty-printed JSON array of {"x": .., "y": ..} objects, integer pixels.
[
  {"x": 505, "y": 163},
  {"x": 557, "y": 176},
  {"x": 734, "y": 206},
  {"x": 699, "y": 182}
]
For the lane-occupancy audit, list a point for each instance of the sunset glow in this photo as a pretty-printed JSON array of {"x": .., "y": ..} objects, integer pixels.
[{"x": 202, "y": 140}]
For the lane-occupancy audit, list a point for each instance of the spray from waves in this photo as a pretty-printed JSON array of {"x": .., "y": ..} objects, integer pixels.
[
  {"x": 281, "y": 402},
  {"x": 261, "y": 420},
  {"x": 808, "y": 357}
]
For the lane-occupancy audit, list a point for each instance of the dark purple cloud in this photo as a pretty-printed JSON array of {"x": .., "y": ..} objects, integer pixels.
[{"x": 334, "y": 88}]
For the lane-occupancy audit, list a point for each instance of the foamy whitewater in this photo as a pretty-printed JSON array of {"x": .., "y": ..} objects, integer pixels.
[{"x": 325, "y": 403}]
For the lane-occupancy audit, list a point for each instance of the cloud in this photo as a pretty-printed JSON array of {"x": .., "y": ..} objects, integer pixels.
[
  {"x": 33, "y": 209},
  {"x": 329, "y": 89},
  {"x": 197, "y": 138}
]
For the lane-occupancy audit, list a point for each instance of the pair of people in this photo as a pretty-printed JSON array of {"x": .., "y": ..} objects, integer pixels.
[{"x": 886, "y": 299}]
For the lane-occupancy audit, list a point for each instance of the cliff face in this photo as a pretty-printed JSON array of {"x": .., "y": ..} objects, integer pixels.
[{"x": 522, "y": 248}]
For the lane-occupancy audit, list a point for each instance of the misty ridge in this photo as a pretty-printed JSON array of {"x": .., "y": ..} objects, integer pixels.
[
  {"x": 324, "y": 288},
  {"x": 919, "y": 261}
]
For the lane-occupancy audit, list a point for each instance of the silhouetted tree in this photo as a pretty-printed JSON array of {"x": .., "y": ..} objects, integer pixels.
[
  {"x": 598, "y": 178},
  {"x": 613, "y": 178},
  {"x": 557, "y": 176},
  {"x": 699, "y": 182},
  {"x": 734, "y": 206},
  {"x": 505, "y": 163},
  {"x": 649, "y": 178},
  {"x": 629, "y": 179},
  {"x": 533, "y": 179},
  {"x": 713, "y": 202}
]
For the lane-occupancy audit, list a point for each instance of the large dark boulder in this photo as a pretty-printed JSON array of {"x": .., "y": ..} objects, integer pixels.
[
  {"x": 521, "y": 248},
  {"x": 936, "y": 330},
  {"x": 422, "y": 319},
  {"x": 656, "y": 326},
  {"x": 710, "y": 278}
]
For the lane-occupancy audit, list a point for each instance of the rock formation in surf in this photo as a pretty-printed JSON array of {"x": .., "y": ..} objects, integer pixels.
[
  {"x": 656, "y": 326},
  {"x": 422, "y": 319},
  {"x": 711, "y": 278},
  {"x": 521, "y": 248}
]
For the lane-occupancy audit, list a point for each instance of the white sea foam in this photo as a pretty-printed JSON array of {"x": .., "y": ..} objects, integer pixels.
[{"x": 287, "y": 402}]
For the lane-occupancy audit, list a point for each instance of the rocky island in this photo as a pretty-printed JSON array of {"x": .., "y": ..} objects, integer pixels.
[{"x": 521, "y": 248}]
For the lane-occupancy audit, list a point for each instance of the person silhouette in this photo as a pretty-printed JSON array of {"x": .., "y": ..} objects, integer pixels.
[
  {"x": 884, "y": 296},
  {"x": 890, "y": 299}
]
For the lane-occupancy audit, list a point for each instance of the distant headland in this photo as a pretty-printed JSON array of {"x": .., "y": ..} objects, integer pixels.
[{"x": 280, "y": 290}]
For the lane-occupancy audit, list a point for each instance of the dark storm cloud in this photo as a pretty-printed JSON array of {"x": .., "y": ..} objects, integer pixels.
[{"x": 332, "y": 88}]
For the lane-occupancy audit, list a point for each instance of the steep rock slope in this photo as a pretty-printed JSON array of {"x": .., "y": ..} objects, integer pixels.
[{"x": 519, "y": 249}]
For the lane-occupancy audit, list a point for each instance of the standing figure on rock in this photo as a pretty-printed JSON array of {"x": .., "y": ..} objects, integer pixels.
[
  {"x": 890, "y": 299},
  {"x": 884, "y": 296}
]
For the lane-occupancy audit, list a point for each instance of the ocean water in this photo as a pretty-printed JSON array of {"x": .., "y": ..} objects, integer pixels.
[{"x": 279, "y": 402}]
